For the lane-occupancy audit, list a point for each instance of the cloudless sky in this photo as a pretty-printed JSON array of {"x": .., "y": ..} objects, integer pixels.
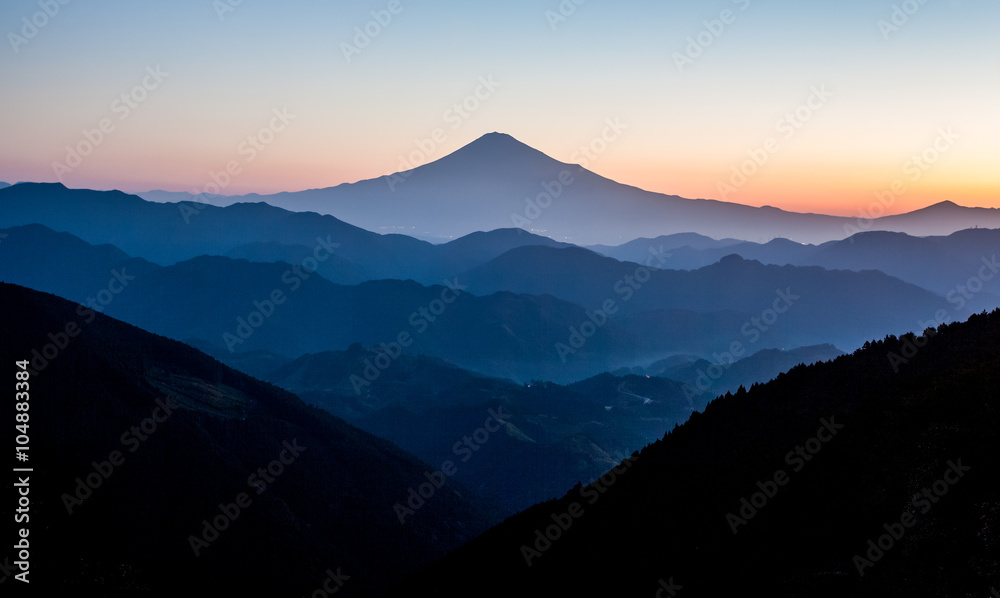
[{"x": 893, "y": 92}]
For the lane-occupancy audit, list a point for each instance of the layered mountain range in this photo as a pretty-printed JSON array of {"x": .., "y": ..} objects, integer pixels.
[
  {"x": 496, "y": 182},
  {"x": 318, "y": 402}
]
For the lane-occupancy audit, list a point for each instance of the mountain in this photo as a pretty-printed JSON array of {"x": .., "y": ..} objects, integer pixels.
[
  {"x": 236, "y": 306},
  {"x": 148, "y": 460},
  {"x": 2, "y": 185},
  {"x": 169, "y": 233},
  {"x": 220, "y": 302},
  {"x": 713, "y": 378},
  {"x": 841, "y": 303},
  {"x": 942, "y": 264},
  {"x": 474, "y": 249},
  {"x": 940, "y": 219},
  {"x": 551, "y": 437},
  {"x": 638, "y": 250},
  {"x": 776, "y": 251},
  {"x": 871, "y": 475},
  {"x": 35, "y": 256},
  {"x": 334, "y": 268},
  {"x": 496, "y": 181}
]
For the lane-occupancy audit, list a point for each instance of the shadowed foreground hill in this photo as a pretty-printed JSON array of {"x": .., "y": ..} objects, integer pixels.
[
  {"x": 551, "y": 437},
  {"x": 880, "y": 448},
  {"x": 323, "y": 503}
]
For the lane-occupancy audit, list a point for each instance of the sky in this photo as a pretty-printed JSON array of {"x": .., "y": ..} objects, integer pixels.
[{"x": 807, "y": 106}]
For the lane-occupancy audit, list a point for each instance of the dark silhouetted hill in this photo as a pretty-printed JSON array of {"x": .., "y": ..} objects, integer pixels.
[
  {"x": 881, "y": 428},
  {"x": 328, "y": 504}
]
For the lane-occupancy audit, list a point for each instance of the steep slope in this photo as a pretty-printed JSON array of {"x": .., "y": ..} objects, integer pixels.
[
  {"x": 872, "y": 475},
  {"x": 719, "y": 377},
  {"x": 137, "y": 440}
]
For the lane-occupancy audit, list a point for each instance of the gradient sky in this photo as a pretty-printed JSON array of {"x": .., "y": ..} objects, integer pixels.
[{"x": 558, "y": 85}]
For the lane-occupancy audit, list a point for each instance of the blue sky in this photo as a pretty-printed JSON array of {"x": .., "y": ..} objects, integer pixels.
[{"x": 893, "y": 90}]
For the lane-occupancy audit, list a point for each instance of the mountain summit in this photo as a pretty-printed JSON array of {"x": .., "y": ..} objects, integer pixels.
[
  {"x": 495, "y": 146},
  {"x": 497, "y": 181}
]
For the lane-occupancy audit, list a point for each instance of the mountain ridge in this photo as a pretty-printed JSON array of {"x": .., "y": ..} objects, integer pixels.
[{"x": 489, "y": 182}]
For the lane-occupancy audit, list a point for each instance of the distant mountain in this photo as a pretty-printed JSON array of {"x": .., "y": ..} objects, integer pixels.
[
  {"x": 161, "y": 196},
  {"x": 775, "y": 251},
  {"x": 334, "y": 268},
  {"x": 169, "y": 233},
  {"x": 639, "y": 250},
  {"x": 211, "y": 300},
  {"x": 60, "y": 263},
  {"x": 944, "y": 264},
  {"x": 940, "y": 219},
  {"x": 857, "y": 478},
  {"x": 474, "y": 249},
  {"x": 713, "y": 378},
  {"x": 966, "y": 258},
  {"x": 143, "y": 447},
  {"x": 839, "y": 302},
  {"x": 552, "y": 438},
  {"x": 2, "y": 185},
  {"x": 496, "y": 181},
  {"x": 531, "y": 333}
]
